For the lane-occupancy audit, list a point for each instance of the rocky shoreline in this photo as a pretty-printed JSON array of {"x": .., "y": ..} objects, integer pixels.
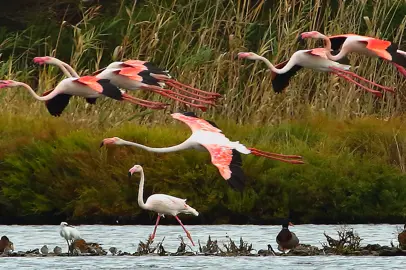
[{"x": 347, "y": 244}]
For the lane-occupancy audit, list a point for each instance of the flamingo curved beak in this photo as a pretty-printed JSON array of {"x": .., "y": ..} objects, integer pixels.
[
  {"x": 242, "y": 55},
  {"x": 301, "y": 40},
  {"x": 101, "y": 144},
  {"x": 40, "y": 60},
  {"x": 129, "y": 175}
]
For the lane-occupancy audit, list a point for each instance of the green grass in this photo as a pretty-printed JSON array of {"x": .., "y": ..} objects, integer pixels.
[{"x": 352, "y": 171}]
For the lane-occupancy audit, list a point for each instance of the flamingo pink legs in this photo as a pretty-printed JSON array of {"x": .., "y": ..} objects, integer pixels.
[
  {"x": 173, "y": 95},
  {"x": 340, "y": 73},
  {"x": 156, "y": 225},
  {"x": 144, "y": 103},
  {"x": 178, "y": 85},
  {"x": 401, "y": 69},
  {"x": 186, "y": 231},
  {"x": 293, "y": 159},
  {"x": 181, "y": 224}
]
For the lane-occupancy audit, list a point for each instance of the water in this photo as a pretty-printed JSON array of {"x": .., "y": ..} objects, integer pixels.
[{"x": 126, "y": 238}]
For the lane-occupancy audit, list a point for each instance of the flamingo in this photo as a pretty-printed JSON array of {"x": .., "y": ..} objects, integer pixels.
[
  {"x": 361, "y": 44},
  {"x": 70, "y": 233},
  {"x": 160, "y": 74},
  {"x": 315, "y": 59},
  {"x": 225, "y": 154},
  {"x": 135, "y": 74},
  {"x": 88, "y": 87},
  {"x": 162, "y": 204}
]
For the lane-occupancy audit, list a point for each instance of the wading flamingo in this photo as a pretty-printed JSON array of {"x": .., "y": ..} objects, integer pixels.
[
  {"x": 315, "y": 59},
  {"x": 70, "y": 233},
  {"x": 139, "y": 75},
  {"x": 370, "y": 46},
  {"x": 206, "y": 136},
  {"x": 88, "y": 87},
  {"x": 162, "y": 204}
]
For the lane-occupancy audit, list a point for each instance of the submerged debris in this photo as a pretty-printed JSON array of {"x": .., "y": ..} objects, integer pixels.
[{"x": 348, "y": 243}]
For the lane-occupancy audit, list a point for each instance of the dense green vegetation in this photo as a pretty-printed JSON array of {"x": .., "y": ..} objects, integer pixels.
[
  {"x": 354, "y": 144},
  {"x": 354, "y": 171}
]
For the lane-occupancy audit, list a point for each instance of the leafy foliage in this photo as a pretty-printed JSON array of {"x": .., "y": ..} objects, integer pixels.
[{"x": 55, "y": 168}]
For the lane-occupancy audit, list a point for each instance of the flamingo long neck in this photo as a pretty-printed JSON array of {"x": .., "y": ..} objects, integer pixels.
[
  {"x": 185, "y": 145},
  {"x": 341, "y": 54},
  {"x": 41, "y": 98},
  {"x": 66, "y": 69},
  {"x": 141, "y": 192},
  {"x": 286, "y": 68}
]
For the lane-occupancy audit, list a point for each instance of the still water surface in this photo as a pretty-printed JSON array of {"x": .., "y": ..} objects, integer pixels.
[{"x": 126, "y": 238}]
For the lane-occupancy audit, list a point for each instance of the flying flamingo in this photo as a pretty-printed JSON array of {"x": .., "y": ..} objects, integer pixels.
[
  {"x": 364, "y": 45},
  {"x": 162, "y": 204},
  {"x": 137, "y": 75},
  {"x": 88, "y": 87},
  {"x": 162, "y": 75},
  {"x": 225, "y": 154},
  {"x": 315, "y": 59}
]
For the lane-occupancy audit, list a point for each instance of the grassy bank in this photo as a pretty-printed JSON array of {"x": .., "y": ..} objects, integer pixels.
[
  {"x": 198, "y": 41},
  {"x": 354, "y": 171}
]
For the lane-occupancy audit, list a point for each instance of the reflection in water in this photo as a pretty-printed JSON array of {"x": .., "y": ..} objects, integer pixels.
[{"x": 126, "y": 238}]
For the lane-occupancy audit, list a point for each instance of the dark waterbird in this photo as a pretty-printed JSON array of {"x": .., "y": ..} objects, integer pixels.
[{"x": 286, "y": 239}]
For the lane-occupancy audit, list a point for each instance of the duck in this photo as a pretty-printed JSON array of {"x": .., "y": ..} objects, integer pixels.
[
  {"x": 402, "y": 238},
  {"x": 286, "y": 239},
  {"x": 6, "y": 244}
]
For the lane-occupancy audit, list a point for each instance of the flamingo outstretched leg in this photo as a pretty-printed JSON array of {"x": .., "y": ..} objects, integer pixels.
[
  {"x": 171, "y": 94},
  {"x": 293, "y": 159},
  {"x": 186, "y": 231},
  {"x": 144, "y": 103},
  {"x": 166, "y": 94},
  {"x": 156, "y": 225},
  {"x": 192, "y": 95},
  {"x": 352, "y": 74},
  {"x": 401, "y": 69},
  {"x": 375, "y": 92},
  {"x": 178, "y": 85}
]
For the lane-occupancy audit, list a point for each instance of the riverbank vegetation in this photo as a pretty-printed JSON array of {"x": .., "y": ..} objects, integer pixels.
[{"x": 354, "y": 144}]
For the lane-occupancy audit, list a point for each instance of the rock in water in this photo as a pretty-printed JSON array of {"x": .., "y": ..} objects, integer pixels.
[
  {"x": 113, "y": 250},
  {"x": 44, "y": 250},
  {"x": 57, "y": 250},
  {"x": 5, "y": 242}
]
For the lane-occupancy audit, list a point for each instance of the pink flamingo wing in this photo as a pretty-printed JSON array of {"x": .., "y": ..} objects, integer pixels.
[
  {"x": 132, "y": 73},
  {"x": 379, "y": 47},
  {"x": 134, "y": 62},
  {"x": 195, "y": 123},
  {"x": 221, "y": 157},
  {"x": 91, "y": 82},
  {"x": 318, "y": 52}
]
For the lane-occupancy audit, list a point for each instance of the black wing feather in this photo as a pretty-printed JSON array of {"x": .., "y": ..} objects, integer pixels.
[
  {"x": 56, "y": 105},
  {"x": 148, "y": 79},
  {"x": 91, "y": 100},
  {"x": 337, "y": 42},
  {"x": 281, "y": 81},
  {"x": 237, "y": 179},
  {"x": 110, "y": 90}
]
